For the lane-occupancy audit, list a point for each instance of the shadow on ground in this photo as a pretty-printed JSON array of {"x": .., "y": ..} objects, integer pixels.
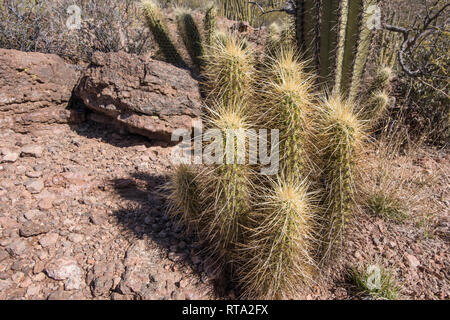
[{"x": 148, "y": 218}]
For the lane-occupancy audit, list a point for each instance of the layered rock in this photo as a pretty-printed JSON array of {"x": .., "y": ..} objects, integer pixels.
[
  {"x": 147, "y": 97},
  {"x": 35, "y": 89}
]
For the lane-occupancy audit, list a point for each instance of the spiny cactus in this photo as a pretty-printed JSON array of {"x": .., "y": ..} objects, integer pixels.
[
  {"x": 286, "y": 100},
  {"x": 377, "y": 95},
  {"x": 229, "y": 70},
  {"x": 340, "y": 135},
  {"x": 277, "y": 253},
  {"x": 182, "y": 193},
  {"x": 188, "y": 29},
  {"x": 225, "y": 190},
  {"x": 273, "y": 40},
  {"x": 335, "y": 36},
  {"x": 210, "y": 24},
  {"x": 155, "y": 22},
  {"x": 381, "y": 81},
  {"x": 278, "y": 38}
]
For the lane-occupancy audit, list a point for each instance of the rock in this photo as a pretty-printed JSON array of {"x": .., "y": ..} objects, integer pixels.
[
  {"x": 33, "y": 289},
  {"x": 18, "y": 247},
  {"x": 10, "y": 156},
  {"x": 34, "y": 186},
  {"x": 137, "y": 278},
  {"x": 35, "y": 89},
  {"x": 75, "y": 237},
  {"x": 5, "y": 284},
  {"x": 412, "y": 261},
  {"x": 32, "y": 150},
  {"x": 49, "y": 240},
  {"x": 45, "y": 204},
  {"x": 30, "y": 229},
  {"x": 3, "y": 254},
  {"x": 101, "y": 286},
  {"x": 65, "y": 269},
  {"x": 8, "y": 223},
  {"x": 147, "y": 97}
]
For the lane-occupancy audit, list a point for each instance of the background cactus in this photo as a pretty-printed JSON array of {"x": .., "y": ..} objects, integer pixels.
[
  {"x": 190, "y": 33},
  {"x": 210, "y": 24},
  {"x": 335, "y": 37},
  {"x": 155, "y": 22},
  {"x": 377, "y": 95}
]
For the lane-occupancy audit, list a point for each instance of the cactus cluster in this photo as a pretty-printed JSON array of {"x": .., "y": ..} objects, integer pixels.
[
  {"x": 269, "y": 235},
  {"x": 265, "y": 233}
]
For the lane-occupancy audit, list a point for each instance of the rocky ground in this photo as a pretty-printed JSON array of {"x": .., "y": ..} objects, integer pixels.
[{"x": 81, "y": 218}]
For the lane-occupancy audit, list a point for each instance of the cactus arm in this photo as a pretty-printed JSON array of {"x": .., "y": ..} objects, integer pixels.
[
  {"x": 329, "y": 36},
  {"x": 355, "y": 9},
  {"x": 340, "y": 44},
  {"x": 365, "y": 36}
]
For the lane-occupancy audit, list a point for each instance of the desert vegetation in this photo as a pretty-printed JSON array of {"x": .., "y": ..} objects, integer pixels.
[{"x": 352, "y": 105}]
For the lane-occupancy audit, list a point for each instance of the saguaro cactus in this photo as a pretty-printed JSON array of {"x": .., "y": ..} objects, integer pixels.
[{"x": 335, "y": 36}]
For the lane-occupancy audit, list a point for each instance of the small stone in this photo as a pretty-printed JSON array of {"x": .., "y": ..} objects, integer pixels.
[
  {"x": 34, "y": 186},
  {"x": 75, "y": 237},
  {"x": 413, "y": 262},
  {"x": 17, "y": 247},
  {"x": 184, "y": 283},
  {"x": 30, "y": 229},
  {"x": 10, "y": 157},
  {"x": 39, "y": 277},
  {"x": 5, "y": 284},
  {"x": 45, "y": 204},
  {"x": 39, "y": 267},
  {"x": 32, "y": 214},
  {"x": 33, "y": 289},
  {"x": 25, "y": 283},
  {"x": 32, "y": 150},
  {"x": 33, "y": 174},
  {"x": 65, "y": 269},
  {"x": 49, "y": 240},
  {"x": 3, "y": 254}
]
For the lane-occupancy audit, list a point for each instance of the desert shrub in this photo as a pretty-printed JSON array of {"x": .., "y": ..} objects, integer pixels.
[
  {"x": 41, "y": 26},
  {"x": 422, "y": 103}
]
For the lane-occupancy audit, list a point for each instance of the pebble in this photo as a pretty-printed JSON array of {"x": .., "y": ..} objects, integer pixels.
[{"x": 34, "y": 186}]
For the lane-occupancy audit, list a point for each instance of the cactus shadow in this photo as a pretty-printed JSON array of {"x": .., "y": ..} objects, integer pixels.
[{"x": 145, "y": 216}]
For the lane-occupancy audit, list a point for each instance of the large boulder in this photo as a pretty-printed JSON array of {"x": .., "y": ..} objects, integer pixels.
[
  {"x": 35, "y": 89},
  {"x": 147, "y": 97}
]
